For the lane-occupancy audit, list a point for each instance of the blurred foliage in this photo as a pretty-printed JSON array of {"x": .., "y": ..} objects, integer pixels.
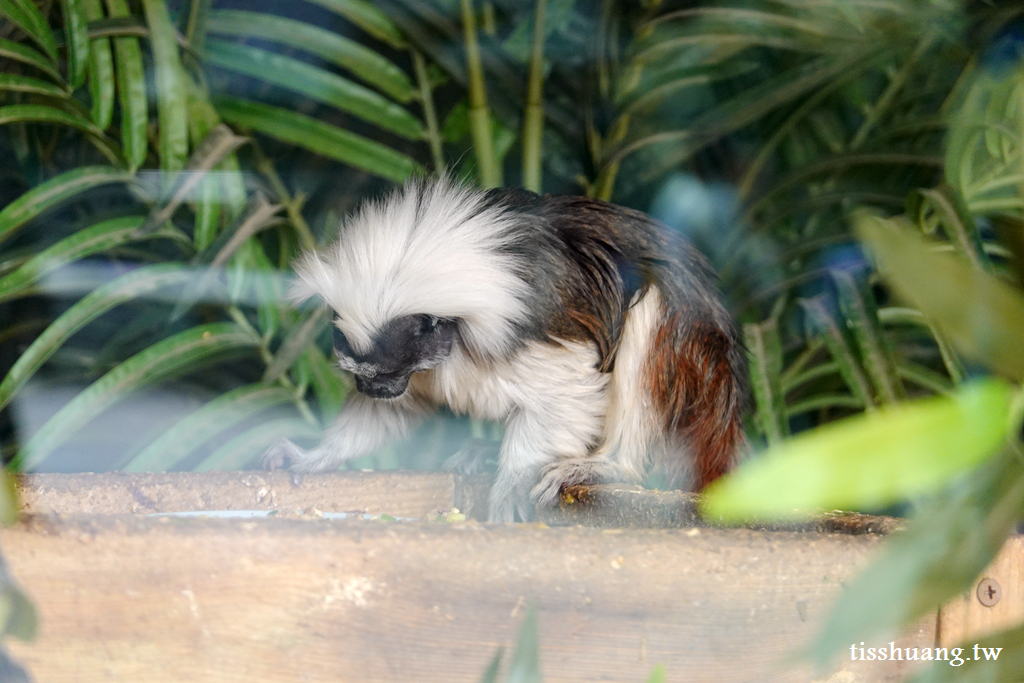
[
  {"x": 524, "y": 665},
  {"x": 168, "y": 160},
  {"x": 959, "y": 458}
]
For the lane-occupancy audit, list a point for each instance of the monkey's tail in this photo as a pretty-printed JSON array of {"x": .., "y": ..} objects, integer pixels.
[{"x": 696, "y": 373}]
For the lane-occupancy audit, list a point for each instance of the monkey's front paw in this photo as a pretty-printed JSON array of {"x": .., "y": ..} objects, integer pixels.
[
  {"x": 561, "y": 474},
  {"x": 280, "y": 455}
]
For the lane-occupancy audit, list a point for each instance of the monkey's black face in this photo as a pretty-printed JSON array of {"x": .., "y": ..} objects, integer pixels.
[{"x": 403, "y": 346}]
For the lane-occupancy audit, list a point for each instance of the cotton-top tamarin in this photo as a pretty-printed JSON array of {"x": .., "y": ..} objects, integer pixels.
[{"x": 591, "y": 331}]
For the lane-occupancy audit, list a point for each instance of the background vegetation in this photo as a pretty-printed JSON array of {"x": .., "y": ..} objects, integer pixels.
[{"x": 165, "y": 161}]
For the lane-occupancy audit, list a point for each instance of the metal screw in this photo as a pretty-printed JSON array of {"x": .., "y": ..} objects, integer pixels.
[{"x": 989, "y": 592}]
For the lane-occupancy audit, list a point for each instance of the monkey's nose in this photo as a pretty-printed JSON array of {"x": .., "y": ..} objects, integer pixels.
[{"x": 382, "y": 386}]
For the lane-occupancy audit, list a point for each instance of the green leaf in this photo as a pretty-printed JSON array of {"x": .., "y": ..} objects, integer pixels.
[
  {"x": 327, "y": 383},
  {"x": 54, "y": 191},
  {"x": 101, "y": 70},
  {"x": 26, "y": 55},
  {"x": 295, "y": 343},
  {"x": 177, "y": 355},
  {"x": 979, "y": 314},
  {"x": 319, "y": 137},
  {"x": 17, "y": 613},
  {"x": 10, "y": 505},
  {"x": 91, "y": 240},
  {"x": 220, "y": 414},
  {"x": 243, "y": 449},
  {"x": 1000, "y": 659},
  {"x": 315, "y": 83},
  {"x": 38, "y": 113},
  {"x": 18, "y": 83},
  {"x": 657, "y": 674},
  {"x": 765, "y": 352},
  {"x": 525, "y": 664},
  {"x": 820, "y": 321},
  {"x": 125, "y": 288},
  {"x": 211, "y": 151},
  {"x": 170, "y": 89},
  {"x": 76, "y": 41},
  {"x": 367, "y": 17},
  {"x": 934, "y": 560},
  {"x": 366, "y": 64},
  {"x": 870, "y": 460},
  {"x": 958, "y": 223},
  {"x": 861, "y": 316},
  {"x": 131, "y": 90},
  {"x": 28, "y": 18},
  {"x": 491, "y": 672}
]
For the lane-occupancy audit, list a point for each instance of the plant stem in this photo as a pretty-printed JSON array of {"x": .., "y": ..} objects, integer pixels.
[
  {"x": 429, "y": 113},
  {"x": 533, "y": 120},
  {"x": 479, "y": 114},
  {"x": 292, "y": 205}
]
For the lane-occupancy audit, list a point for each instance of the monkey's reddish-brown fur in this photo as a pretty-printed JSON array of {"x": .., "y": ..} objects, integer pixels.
[{"x": 694, "y": 390}]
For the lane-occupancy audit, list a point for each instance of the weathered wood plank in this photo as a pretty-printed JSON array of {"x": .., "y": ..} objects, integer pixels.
[
  {"x": 398, "y": 493},
  {"x": 968, "y": 617},
  {"x": 158, "y": 599}
]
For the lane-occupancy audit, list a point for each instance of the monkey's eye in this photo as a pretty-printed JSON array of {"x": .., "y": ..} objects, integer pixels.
[{"x": 428, "y": 324}]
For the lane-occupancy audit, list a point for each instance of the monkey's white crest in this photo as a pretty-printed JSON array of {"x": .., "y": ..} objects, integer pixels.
[
  {"x": 435, "y": 249},
  {"x": 591, "y": 331}
]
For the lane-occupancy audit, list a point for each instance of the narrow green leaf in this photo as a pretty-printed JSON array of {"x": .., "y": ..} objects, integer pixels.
[
  {"x": 366, "y": 64},
  {"x": 315, "y": 83},
  {"x": 319, "y": 137},
  {"x": 18, "y": 83},
  {"x": 55, "y": 191},
  {"x": 367, "y": 17},
  {"x": 764, "y": 348},
  {"x": 490, "y": 674},
  {"x": 220, "y": 414},
  {"x": 822, "y": 402},
  {"x": 978, "y": 313},
  {"x": 958, "y": 223},
  {"x": 19, "y": 614},
  {"x": 38, "y": 113},
  {"x": 10, "y": 506},
  {"x": 76, "y": 40},
  {"x": 794, "y": 380},
  {"x": 870, "y": 460},
  {"x": 177, "y": 355},
  {"x": 924, "y": 377},
  {"x": 170, "y": 89},
  {"x": 953, "y": 539},
  {"x": 240, "y": 451},
  {"x": 658, "y": 674},
  {"x": 859, "y": 309},
  {"x": 820, "y": 321},
  {"x": 328, "y": 385},
  {"x": 125, "y": 288},
  {"x": 214, "y": 148},
  {"x": 295, "y": 343},
  {"x": 101, "y": 70},
  {"x": 524, "y": 666},
  {"x": 29, "y": 19},
  {"x": 131, "y": 90},
  {"x": 94, "y": 239},
  {"x": 27, "y": 55}
]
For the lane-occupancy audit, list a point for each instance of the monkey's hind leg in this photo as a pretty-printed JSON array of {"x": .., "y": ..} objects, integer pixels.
[{"x": 696, "y": 375}]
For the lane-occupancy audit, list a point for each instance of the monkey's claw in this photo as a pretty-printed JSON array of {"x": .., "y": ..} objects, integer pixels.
[{"x": 278, "y": 456}]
